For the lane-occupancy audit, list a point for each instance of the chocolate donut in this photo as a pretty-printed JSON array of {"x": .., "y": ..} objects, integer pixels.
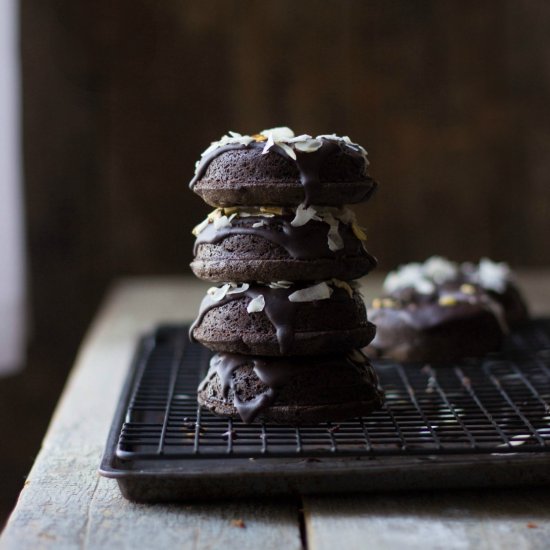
[
  {"x": 290, "y": 390},
  {"x": 258, "y": 246},
  {"x": 287, "y": 320},
  {"x": 298, "y": 320},
  {"x": 453, "y": 320},
  {"x": 275, "y": 167},
  {"x": 496, "y": 278}
]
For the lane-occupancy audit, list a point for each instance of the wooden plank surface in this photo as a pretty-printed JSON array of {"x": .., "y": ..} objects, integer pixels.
[
  {"x": 65, "y": 504},
  {"x": 481, "y": 520}
]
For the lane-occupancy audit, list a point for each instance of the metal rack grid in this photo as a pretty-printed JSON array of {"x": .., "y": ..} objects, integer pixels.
[{"x": 499, "y": 404}]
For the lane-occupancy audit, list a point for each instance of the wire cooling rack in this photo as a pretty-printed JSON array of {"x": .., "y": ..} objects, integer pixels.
[{"x": 495, "y": 406}]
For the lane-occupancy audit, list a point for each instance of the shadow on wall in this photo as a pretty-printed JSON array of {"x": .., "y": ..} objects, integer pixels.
[{"x": 449, "y": 99}]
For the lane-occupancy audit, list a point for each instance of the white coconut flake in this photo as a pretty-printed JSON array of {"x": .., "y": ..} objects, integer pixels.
[
  {"x": 304, "y": 215},
  {"x": 308, "y": 146},
  {"x": 280, "y": 284},
  {"x": 283, "y": 137},
  {"x": 424, "y": 286},
  {"x": 198, "y": 229},
  {"x": 302, "y": 137},
  {"x": 232, "y": 139},
  {"x": 256, "y": 212},
  {"x": 320, "y": 291},
  {"x": 440, "y": 270},
  {"x": 492, "y": 275},
  {"x": 287, "y": 149},
  {"x": 256, "y": 225},
  {"x": 256, "y": 304},
  {"x": 335, "y": 241},
  {"x": 281, "y": 133},
  {"x": 218, "y": 293},
  {"x": 405, "y": 276},
  {"x": 236, "y": 289},
  {"x": 268, "y": 144},
  {"x": 223, "y": 221},
  {"x": 279, "y": 136}
]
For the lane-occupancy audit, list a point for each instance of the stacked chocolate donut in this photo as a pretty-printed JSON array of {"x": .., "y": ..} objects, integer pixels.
[{"x": 285, "y": 319}]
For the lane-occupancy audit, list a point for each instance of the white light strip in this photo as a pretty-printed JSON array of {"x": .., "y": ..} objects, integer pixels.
[{"x": 12, "y": 266}]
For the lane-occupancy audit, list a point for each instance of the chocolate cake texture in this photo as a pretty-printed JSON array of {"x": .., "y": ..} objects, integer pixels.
[
  {"x": 293, "y": 244},
  {"x": 298, "y": 320},
  {"x": 291, "y": 390},
  {"x": 275, "y": 167},
  {"x": 286, "y": 319}
]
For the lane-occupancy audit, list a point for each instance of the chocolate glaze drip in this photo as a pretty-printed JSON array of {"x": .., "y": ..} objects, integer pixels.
[
  {"x": 278, "y": 308},
  {"x": 307, "y": 242},
  {"x": 309, "y": 164},
  {"x": 423, "y": 311},
  {"x": 273, "y": 372}
]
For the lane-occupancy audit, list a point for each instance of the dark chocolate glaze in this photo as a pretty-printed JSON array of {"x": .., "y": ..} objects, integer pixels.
[
  {"x": 511, "y": 299},
  {"x": 307, "y": 242},
  {"x": 279, "y": 310},
  {"x": 424, "y": 312},
  {"x": 274, "y": 373},
  {"x": 515, "y": 307},
  {"x": 309, "y": 164}
]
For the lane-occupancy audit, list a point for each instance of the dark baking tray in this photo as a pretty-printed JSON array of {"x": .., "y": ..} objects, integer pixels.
[{"x": 478, "y": 422}]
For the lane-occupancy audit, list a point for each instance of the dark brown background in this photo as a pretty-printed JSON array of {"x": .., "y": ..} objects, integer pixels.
[{"x": 449, "y": 97}]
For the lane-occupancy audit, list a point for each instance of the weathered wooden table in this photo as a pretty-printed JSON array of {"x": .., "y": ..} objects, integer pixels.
[{"x": 65, "y": 504}]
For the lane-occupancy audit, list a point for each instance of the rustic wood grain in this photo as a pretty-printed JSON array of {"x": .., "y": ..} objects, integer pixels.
[
  {"x": 491, "y": 519},
  {"x": 480, "y": 520},
  {"x": 449, "y": 97},
  {"x": 66, "y": 505}
]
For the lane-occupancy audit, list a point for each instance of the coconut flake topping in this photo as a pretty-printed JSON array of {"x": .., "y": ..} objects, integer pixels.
[
  {"x": 285, "y": 139},
  {"x": 222, "y": 217},
  {"x": 256, "y": 304},
  {"x": 424, "y": 277},
  {"x": 320, "y": 291},
  {"x": 492, "y": 275},
  {"x": 218, "y": 293}
]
